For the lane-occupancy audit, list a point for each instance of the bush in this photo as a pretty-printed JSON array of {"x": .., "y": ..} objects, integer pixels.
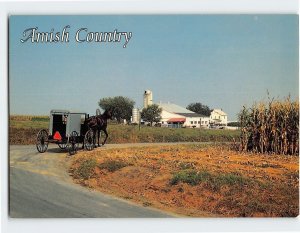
[
  {"x": 215, "y": 182},
  {"x": 86, "y": 169},
  {"x": 113, "y": 165},
  {"x": 234, "y": 124},
  {"x": 229, "y": 179},
  {"x": 191, "y": 177}
]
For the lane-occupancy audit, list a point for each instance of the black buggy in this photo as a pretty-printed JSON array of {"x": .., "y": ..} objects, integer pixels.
[{"x": 67, "y": 129}]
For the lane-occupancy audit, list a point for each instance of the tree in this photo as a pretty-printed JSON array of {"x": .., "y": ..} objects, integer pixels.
[
  {"x": 121, "y": 107},
  {"x": 151, "y": 113},
  {"x": 199, "y": 108}
]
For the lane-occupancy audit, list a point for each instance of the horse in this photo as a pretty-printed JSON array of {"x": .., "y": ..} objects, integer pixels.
[{"x": 98, "y": 123}]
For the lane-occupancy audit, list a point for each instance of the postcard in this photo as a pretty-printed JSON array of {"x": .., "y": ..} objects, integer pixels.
[{"x": 153, "y": 116}]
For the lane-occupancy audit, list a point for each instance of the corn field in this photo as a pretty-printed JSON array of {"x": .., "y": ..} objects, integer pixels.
[
  {"x": 271, "y": 127},
  {"x": 27, "y": 118}
]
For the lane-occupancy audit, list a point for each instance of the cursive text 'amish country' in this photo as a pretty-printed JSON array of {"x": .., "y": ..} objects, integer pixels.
[{"x": 82, "y": 35}]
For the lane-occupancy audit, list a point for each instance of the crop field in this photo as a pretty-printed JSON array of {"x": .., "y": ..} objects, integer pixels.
[
  {"x": 194, "y": 180},
  {"x": 23, "y": 130},
  {"x": 271, "y": 127}
]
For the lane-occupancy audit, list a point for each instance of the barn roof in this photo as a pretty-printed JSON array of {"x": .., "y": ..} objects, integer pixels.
[
  {"x": 191, "y": 114},
  {"x": 174, "y": 108},
  {"x": 220, "y": 112}
]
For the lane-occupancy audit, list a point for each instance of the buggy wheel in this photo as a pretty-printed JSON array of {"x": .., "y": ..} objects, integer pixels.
[
  {"x": 73, "y": 143},
  {"x": 88, "y": 140},
  {"x": 42, "y": 141},
  {"x": 62, "y": 146}
]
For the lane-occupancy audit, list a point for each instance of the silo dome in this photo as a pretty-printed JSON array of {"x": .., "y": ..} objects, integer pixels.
[{"x": 147, "y": 98}]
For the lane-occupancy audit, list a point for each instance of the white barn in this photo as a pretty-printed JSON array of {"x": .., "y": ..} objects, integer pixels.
[{"x": 176, "y": 116}]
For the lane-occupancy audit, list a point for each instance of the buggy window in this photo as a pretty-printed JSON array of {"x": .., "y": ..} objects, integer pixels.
[
  {"x": 64, "y": 119},
  {"x": 82, "y": 119},
  {"x": 59, "y": 124}
]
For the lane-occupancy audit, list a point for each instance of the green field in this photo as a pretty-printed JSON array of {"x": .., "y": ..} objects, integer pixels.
[
  {"x": 23, "y": 130},
  {"x": 128, "y": 133},
  {"x": 30, "y": 124}
]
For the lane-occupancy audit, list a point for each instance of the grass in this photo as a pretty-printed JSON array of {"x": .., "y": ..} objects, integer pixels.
[
  {"x": 87, "y": 166},
  {"x": 249, "y": 196},
  {"x": 214, "y": 181},
  {"x": 40, "y": 118},
  {"x": 28, "y": 118},
  {"x": 194, "y": 180},
  {"x": 85, "y": 170},
  {"x": 29, "y": 124},
  {"x": 130, "y": 133},
  {"x": 186, "y": 165},
  {"x": 27, "y": 121},
  {"x": 190, "y": 177},
  {"x": 231, "y": 179},
  {"x": 113, "y": 165},
  {"x": 23, "y": 130}
]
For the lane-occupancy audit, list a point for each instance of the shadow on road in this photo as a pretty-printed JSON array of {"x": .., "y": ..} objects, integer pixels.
[{"x": 57, "y": 150}]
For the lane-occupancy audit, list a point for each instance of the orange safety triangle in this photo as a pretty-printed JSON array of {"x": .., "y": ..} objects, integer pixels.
[{"x": 57, "y": 136}]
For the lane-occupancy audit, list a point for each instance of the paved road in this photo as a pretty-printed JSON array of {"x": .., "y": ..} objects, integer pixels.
[{"x": 41, "y": 187}]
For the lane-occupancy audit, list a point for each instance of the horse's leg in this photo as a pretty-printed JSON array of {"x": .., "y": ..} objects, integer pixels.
[
  {"x": 94, "y": 137},
  {"x": 106, "y": 136},
  {"x": 99, "y": 137}
]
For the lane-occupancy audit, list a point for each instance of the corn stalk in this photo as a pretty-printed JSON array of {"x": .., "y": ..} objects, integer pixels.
[{"x": 271, "y": 127}]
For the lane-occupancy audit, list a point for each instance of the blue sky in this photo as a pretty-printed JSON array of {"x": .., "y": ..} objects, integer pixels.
[{"x": 223, "y": 61}]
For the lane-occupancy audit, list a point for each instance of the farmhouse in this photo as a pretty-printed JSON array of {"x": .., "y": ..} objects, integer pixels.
[
  {"x": 218, "y": 117},
  {"x": 175, "y": 116}
]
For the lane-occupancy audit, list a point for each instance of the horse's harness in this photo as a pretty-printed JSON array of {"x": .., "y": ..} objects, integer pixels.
[{"x": 96, "y": 121}]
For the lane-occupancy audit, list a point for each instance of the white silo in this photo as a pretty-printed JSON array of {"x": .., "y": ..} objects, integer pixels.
[
  {"x": 147, "y": 98},
  {"x": 135, "y": 116}
]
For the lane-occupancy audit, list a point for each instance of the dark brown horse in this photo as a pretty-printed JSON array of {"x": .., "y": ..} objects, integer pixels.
[{"x": 98, "y": 123}]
